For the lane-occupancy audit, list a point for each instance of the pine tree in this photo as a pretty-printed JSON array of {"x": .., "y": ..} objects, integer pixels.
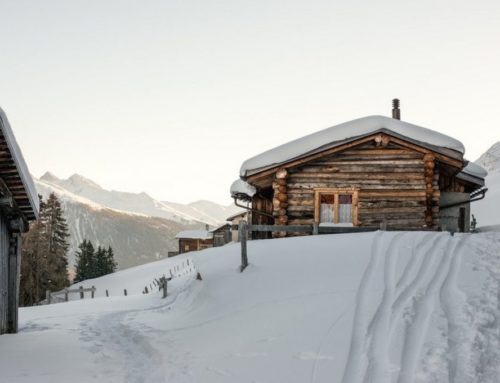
[
  {"x": 34, "y": 281},
  {"x": 91, "y": 263},
  {"x": 110, "y": 261},
  {"x": 44, "y": 253},
  {"x": 56, "y": 231},
  {"x": 85, "y": 261}
]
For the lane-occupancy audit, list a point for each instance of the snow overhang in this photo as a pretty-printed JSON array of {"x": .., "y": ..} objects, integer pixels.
[{"x": 242, "y": 190}]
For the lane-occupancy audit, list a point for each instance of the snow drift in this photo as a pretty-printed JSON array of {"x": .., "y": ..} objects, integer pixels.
[{"x": 387, "y": 307}]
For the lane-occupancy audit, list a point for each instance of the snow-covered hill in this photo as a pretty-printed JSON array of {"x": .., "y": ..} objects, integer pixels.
[
  {"x": 487, "y": 211},
  {"x": 378, "y": 307}
]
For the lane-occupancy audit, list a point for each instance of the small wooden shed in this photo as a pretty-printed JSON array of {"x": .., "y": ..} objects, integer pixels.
[
  {"x": 367, "y": 172},
  {"x": 235, "y": 219},
  {"x": 19, "y": 204},
  {"x": 194, "y": 240},
  {"x": 221, "y": 235}
]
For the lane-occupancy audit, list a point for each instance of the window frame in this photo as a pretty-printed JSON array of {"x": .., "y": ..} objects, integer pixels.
[{"x": 318, "y": 192}]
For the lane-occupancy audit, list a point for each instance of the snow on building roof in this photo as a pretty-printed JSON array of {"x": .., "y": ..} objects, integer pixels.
[
  {"x": 21, "y": 167},
  {"x": 473, "y": 173},
  {"x": 346, "y": 132},
  {"x": 475, "y": 170},
  {"x": 241, "y": 188},
  {"x": 240, "y": 214},
  {"x": 194, "y": 234}
]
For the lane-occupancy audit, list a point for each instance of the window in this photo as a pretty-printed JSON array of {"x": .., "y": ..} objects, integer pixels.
[{"x": 336, "y": 206}]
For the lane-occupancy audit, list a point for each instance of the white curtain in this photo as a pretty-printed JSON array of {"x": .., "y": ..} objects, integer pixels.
[
  {"x": 326, "y": 212},
  {"x": 345, "y": 213}
]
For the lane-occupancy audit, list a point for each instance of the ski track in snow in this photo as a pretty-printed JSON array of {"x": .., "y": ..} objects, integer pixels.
[{"x": 429, "y": 278}]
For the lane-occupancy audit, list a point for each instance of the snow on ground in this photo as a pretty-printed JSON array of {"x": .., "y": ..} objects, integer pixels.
[{"x": 367, "y": 307}]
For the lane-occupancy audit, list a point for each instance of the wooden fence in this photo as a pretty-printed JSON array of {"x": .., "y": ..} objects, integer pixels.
[{"x": 182, "y": 268}]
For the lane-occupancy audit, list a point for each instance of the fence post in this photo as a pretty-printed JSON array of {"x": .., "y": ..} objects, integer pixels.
[
  {"x": 242, "y": 234},
  {"x": 125, "y": 292},
  {"x": 315, "y": 228},
  {"x": 81, "y": 292},
  {"x": 66, "y": 293},
  {"x": 47, "y": 296},
  {"x": 92, "y": 292},
  {"x": 165, "y": 283},
  {"x": 107, "y": 293}
]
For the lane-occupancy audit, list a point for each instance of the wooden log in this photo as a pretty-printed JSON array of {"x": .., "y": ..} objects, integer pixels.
[
  {"x": 243, "y": 235},
  {"x": 281, "y": 174},
  {"x": 282, "y": 197}
]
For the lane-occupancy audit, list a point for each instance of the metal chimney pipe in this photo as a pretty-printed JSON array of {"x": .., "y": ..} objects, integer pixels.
[{"x": 396, "y": 112}]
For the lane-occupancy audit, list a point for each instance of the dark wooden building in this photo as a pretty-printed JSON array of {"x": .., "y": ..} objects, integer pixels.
[
  {"x": 221, "y": 235},
  {"x": 368, "y": 172},
  {"x": 194, "y": 240},
  {"x": 18, "y": 205}
]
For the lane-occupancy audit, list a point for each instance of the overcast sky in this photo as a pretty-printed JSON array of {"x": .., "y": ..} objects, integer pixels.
[{"x": 170, "y": 97}]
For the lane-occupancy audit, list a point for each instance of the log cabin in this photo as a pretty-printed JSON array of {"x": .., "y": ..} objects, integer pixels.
[
  {"x": 19, "y": 204},
  {"x": 370, "y": 172}
]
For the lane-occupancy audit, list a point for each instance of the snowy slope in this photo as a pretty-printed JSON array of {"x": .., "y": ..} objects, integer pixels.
[
  {"x": 487, "y": 211},
  {"x": 140, "y": 203},
  {"x": 377, "y": 307}
]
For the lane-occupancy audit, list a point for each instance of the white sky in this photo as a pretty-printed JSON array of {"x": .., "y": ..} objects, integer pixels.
[{"x": 170, "y": 97}]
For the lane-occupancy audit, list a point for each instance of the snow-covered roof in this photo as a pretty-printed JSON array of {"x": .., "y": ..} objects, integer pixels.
[
  {"x": 240, "y": 188},
  {"x": 346, "y": 132},
  {"x": 22, "y": 169},
  {"x": 474, "y": 173},
  {"x": 475, "y": 170},
  {"x": 240, "y": 214},
  {"x": 194, "y": 234}
]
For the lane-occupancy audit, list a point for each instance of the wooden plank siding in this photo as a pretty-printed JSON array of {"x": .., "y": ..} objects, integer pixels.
[
  {"x": 4, "y": 274},
  {"x": 392, "y": 183}
]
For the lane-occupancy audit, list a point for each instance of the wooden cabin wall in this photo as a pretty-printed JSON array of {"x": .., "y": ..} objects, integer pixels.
[
  {"x": 263, "y": 203},
  {"x": 189, "y": 244},
  {"x": 449, "y": 183},
  {"x": 4, "y": 275},
  {"x": 393, "y": 186}
]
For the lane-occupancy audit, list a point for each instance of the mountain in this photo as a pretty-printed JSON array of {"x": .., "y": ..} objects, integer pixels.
[
  {"x": 139, "y": 228},
  {"x": 487, "y": 211},
  {"x": 490, "y": 160},
  {"x": 141, "y": 203}
]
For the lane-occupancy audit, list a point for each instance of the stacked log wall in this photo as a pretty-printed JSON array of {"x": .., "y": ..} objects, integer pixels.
[{"x": 391, "y": 181}]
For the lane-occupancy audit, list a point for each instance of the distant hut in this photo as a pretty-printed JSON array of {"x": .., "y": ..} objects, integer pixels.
[
  {"x": 194, "y": 240},
  {"x": 370, "y": 172},
  {"x": 18, "y": 205},
  {"x": 235, "y": 219},
  {"x": 222, "y": 235}
]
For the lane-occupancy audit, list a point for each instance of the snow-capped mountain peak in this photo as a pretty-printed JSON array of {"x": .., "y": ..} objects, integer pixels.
[
  {"x": 49, "y": 177},
  {"x": 136, "y": 203},
  {"x": 490, "y": 160}
]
